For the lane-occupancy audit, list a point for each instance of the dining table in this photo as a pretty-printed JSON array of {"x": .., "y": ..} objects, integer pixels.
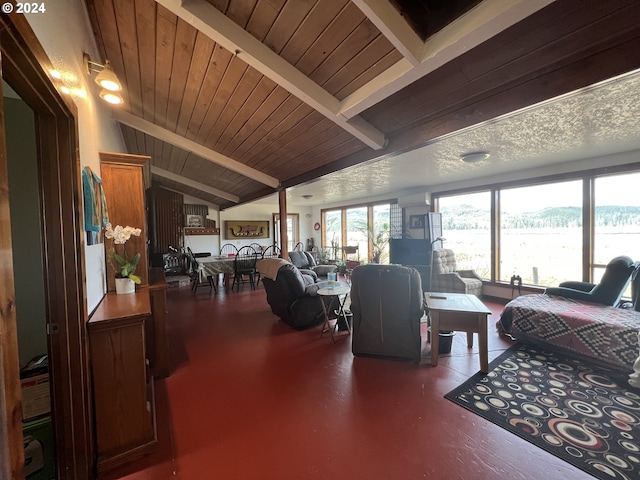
[{"x": 216, "y": 265}]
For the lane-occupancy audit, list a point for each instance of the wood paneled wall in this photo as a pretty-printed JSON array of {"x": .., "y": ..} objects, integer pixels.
[{"x": 166, "y": 219}]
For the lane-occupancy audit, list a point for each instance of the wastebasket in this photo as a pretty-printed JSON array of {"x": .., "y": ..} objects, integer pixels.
[{"x": 445, "y": 340}]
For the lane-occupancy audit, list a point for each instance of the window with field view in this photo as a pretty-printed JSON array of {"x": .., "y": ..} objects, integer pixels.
[
  {"x": 541, "y": 233},
  {"x": 466, "y": 227},
  {"x": 616, "y": 226}
]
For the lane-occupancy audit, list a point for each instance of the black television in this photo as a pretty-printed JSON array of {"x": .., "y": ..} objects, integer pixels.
[{"x": 410, "y": 251}]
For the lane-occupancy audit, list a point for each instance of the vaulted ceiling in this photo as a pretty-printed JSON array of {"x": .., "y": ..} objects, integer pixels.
[{"x": 235, "y": 99}]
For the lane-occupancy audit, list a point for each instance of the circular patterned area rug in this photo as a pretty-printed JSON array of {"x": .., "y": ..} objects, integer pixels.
[{"x": 586, "y": 415}]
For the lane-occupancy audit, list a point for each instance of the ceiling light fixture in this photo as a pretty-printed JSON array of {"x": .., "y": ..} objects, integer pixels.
[
  {"x": 473, "y": 157},
  {"x": 307, "y": 196},
  {"x": 106, "y": 78}
]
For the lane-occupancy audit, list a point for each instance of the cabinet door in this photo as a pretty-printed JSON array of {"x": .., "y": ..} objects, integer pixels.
[
  {"x": 124, "y": 192},
  {"x": 123, "y": 407}
]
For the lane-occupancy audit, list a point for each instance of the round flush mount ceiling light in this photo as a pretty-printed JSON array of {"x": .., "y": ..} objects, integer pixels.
[
  {"x": 474, "y": 157},
  {"x": 307, "y": 196}
]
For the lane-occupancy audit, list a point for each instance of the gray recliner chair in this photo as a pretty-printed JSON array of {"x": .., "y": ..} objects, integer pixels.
[
  {"x": 387, "y": 304},
  {"x": 305, "y": 261},
  {"x": 291, "y": 294}
]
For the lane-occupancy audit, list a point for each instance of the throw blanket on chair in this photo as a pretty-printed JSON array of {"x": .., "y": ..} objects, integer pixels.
[
  {"x": 604, "y": 333},
  {"x": 269, "y": 267}
]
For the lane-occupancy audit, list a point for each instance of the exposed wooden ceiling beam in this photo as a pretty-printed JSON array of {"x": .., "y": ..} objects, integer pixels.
[
  {"x": 393, "y": 26},
  {"x": 190, "y": 146},
  {"x": 193, "y": 184},
  {"x": 214, "y": 24},
  {"x": 470, "y": 30}
]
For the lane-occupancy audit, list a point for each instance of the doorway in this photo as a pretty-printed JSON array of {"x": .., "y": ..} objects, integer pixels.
[
  {"x": 25, "y": 68},
  {"x": 30, "y": 301},
  {"x": 293, "y": 231}
]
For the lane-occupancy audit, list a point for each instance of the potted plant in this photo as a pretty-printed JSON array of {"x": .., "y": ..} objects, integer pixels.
[
  {"x": 379, "y": 240},
  {"x": 126, "y": 279}
]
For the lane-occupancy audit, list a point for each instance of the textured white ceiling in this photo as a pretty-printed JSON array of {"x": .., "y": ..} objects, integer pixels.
[{"x": 597, "y": 121}]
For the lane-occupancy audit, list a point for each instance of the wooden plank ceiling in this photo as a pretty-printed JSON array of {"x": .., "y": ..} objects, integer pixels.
[{"x": 233, "y": 98}]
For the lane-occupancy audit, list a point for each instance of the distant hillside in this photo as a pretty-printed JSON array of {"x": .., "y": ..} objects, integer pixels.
[{"x": 466, "y": 217}]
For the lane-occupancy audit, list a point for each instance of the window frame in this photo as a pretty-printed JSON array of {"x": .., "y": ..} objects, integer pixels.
[
  {"x": 343, "y": 211},
  {"x": 588, "y": 178}
]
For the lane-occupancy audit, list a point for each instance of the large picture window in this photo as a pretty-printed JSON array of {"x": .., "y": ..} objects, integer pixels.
[
  {"x": 616, "y": 226},
  {"x": 466, "y": 227},
  {"x": 558, "y": 229},
  {"x": 541, "y": 233}
]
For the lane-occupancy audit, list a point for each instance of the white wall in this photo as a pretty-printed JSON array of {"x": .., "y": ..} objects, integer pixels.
[
  {"x": 265, "y": 211},
  {"x": 65, "y": 33},
  {"x": 203, "y": 243}
]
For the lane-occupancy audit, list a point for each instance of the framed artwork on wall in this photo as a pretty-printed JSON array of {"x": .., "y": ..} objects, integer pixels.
[
  {"x": 194, "y": 221},
  {"x": 248, "y": 229},
  {"x": 416, "y": 221}
]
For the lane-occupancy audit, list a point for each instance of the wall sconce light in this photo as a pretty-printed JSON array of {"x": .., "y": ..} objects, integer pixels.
[{"x": 106, "y": 78}]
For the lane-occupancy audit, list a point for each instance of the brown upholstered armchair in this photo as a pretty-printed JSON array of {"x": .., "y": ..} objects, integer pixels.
[{"x": 445, "y": 276}]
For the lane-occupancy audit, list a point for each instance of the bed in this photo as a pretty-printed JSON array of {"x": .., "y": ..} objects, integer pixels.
[{"x": 606, "y": 334}]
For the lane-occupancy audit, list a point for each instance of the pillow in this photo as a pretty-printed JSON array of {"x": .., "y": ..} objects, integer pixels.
[{"x": 310, "y": 259}]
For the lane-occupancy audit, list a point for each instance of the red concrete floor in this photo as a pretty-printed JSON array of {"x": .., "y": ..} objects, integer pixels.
[{"x": 250, "y": 398}]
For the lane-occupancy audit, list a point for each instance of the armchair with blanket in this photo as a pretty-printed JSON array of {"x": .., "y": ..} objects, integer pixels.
[{"x": 291, "y": 294}]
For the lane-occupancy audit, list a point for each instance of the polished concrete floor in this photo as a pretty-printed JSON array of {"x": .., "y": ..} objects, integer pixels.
[{"x": 250, "y": 398}]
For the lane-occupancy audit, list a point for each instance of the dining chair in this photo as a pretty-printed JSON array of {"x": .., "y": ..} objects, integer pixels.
[
  {"x": 350, "y": 250},
  {"x": 228, "y": 250},
  {"x": 257, "y": 247},
  {"x": 245, "y": 267},
  {"x": 196, "y": 274},
  {"x": 272, "y": 251}
]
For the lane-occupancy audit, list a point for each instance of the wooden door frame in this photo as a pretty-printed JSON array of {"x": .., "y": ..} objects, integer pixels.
[{"x": 25, "y": 67}]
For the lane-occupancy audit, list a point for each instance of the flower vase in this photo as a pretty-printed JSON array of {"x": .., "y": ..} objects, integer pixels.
[{"x": 125, "y": 285}]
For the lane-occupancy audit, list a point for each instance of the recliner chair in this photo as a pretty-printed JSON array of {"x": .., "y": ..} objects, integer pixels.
[
  {"x": 305, "y": 261},
  {"x": 291, "y": 294},
  {"x": 387, "y": 304},
  {"x": 615, "y": 280}
]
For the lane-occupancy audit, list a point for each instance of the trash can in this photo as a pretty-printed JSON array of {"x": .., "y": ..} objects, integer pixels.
[{"x": 445, "y": 341}]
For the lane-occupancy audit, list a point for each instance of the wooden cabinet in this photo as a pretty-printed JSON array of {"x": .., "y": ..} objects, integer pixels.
[
  {"x": 122, "y": 381},
  {"x": 123, "y": 182}
]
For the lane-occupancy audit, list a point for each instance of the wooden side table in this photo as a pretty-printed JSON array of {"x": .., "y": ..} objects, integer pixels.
[{"x": 458, "y": 312}]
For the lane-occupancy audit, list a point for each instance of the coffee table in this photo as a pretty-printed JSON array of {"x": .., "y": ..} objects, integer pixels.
[{"x": 458, "y": 312}]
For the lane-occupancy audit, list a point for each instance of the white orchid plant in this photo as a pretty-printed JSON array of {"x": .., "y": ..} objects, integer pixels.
[{"x": 120, "y": 235}]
